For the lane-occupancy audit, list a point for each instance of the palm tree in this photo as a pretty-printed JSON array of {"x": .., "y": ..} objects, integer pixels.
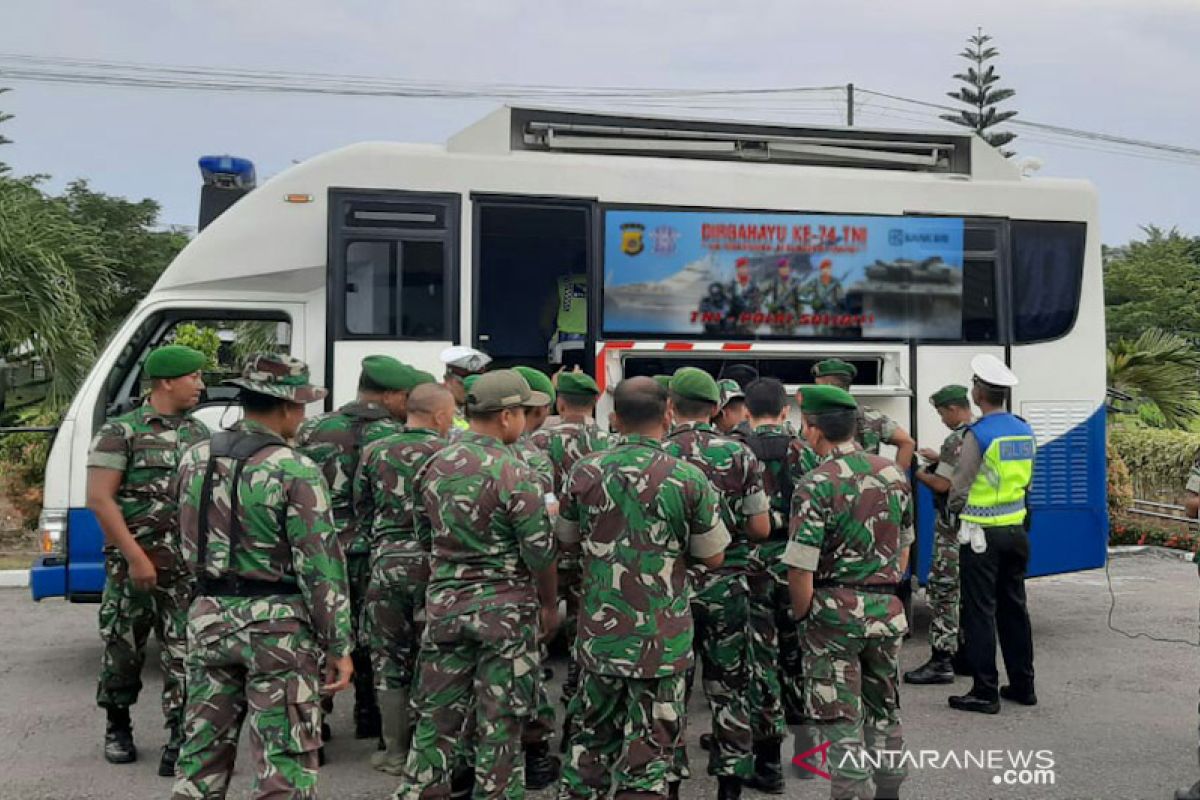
[{"x": 1160, "y": 368}]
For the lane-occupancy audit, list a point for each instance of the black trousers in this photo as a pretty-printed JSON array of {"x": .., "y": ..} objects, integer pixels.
[{"x": 993, "y": 604}]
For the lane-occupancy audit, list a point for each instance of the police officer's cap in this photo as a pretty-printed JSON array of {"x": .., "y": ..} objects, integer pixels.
[
  {"x": 577, "y": 383},
  {"x": 821, "y": 398},
  {"x": 465, "y": 359},
  {"x": 953, "y": 394},
  {"x": 389, "y": 373},
  {"x": 174, "y": 361},
  {"x": 504, "y": 388},
  {"x": 834, "y": 366},
  {"x": 992, "y": 371},
  {"x": 695, "y": 384},
  {"x": 538, "y": 382}
]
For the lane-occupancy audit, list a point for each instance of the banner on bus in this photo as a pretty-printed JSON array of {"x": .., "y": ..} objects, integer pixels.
[{"x": 739, "y": 275}]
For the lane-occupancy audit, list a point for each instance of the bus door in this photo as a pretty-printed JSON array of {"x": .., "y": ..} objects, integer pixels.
[
  {"x": 393, "y": 281},
  {"x": 530, "y": 273}
]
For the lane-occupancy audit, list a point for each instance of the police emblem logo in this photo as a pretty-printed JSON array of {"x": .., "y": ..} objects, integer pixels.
[{"x": 633, "y": 238}]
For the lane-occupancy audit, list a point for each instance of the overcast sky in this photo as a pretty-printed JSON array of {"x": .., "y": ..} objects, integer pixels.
[{"x": 1118, "y": 66}]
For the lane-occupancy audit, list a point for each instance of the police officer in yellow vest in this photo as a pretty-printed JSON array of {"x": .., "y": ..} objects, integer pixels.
[
  {"x": 570, "y": 320},
  {"x": 988, "y": 493},
  {"x": 462, "y": 362}
]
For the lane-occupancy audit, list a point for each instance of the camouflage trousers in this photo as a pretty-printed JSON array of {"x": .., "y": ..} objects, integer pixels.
[
  {"x": 629, "y": 726},
  {"x": 540, "y": 728},
  {"x": 389, "y": 627},
  {"x": 358, "y": 575},
  {"x": 944, "y": 590},
  {"x": 265, "y": 675},
  {"x": 720, "y": 612},
  {"x": 774, "y": 649},
  {"x": 851, "y": 697},
  {"x": 484, "y": 663},
  {"x": 127, "y": 617}
]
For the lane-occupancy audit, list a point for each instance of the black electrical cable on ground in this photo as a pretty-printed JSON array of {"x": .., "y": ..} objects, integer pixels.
[{"x": 1112, "y": 607}]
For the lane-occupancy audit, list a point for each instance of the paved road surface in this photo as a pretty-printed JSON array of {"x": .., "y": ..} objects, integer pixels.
[{"x": 1119, "y": 715}]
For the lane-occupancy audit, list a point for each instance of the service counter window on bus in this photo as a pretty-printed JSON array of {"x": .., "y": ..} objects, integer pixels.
[{"x": 731, "y": 275}]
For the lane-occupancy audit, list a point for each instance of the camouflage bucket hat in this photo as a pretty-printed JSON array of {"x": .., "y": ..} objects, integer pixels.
[{"x": 279, "y": 376}]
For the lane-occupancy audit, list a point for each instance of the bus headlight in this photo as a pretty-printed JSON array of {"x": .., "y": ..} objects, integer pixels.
[{"x": 52, "y": 531}]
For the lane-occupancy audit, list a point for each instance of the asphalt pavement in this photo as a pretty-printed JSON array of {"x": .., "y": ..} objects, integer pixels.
[{"x": 1117, "y": 716}]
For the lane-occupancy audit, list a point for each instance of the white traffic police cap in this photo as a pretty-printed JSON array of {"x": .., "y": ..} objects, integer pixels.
[
  {"x": 467, "y": 359},
  {"x": 991, "y": 370}
]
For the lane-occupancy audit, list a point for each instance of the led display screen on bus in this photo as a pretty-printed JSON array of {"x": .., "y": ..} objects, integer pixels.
[{"x": 743, "y": 275}]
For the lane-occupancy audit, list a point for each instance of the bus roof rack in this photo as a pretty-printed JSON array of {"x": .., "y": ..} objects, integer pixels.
[{"x": 566, "y": 131}]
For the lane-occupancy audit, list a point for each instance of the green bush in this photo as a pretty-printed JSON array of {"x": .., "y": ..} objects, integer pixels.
[
  {"x": 23, "y": 464},
  {"x": 1157, "y": 460},
  {"x": 1131, "y": 529},
  {"x": 1120, "y": 485}
]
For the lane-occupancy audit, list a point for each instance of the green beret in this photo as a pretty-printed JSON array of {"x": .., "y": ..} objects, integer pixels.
[
  {"x": 174, "y": 361},
  {"x": 577, "y": 383},
  {"x": 663, "y": 380},
  {"x": 388, "y": 373},
  {"x": 833, "y": 366},
  {"x": 696, "y": 384},
  {"x": 950, "y": 395},
  {"x": 538, "y": 381},
  {"x": 820, "y": 398},
  {"x": 420, "y": 376},
  {"x": 469, "y": 381}
]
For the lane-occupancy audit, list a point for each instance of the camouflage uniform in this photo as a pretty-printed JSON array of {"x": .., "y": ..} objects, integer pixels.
[
  {"x": 255, "y": 656},
  {"x": 944, "y": 588},
  {"x": 384, "y": 502},
  {"x": 638, "y": 513},
  {"x": 145, "y": 447},
  {"x": 720, "y": 607},
  {"x": 851, "y": 519},
  {"x": 774, "y": 639},
  {"x": 335, "y": 441},
  {"x": 488, "y": 532},
  {"x": 873, "y": 429}
]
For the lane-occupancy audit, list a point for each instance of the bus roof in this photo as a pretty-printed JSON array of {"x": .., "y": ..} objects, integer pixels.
[{"x": 275, "y": 238}]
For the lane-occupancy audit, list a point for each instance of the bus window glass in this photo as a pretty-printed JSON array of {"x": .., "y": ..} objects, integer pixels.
[
  {"x": 979, "y": 300},
  {"x": 422, "y": 289},
  {"x": 724, "y": 274},
  {"x": 370, "y": 288},
  {"x": 1047, "y": 269}
]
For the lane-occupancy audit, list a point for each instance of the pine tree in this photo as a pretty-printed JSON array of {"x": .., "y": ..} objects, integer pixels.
[
  {"x": 3, "y": 140},
  {"x": 982, "y": 95}
]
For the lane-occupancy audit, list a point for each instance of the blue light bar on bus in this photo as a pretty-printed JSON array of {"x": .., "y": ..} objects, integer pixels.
[{"x": 227, "y": 172}]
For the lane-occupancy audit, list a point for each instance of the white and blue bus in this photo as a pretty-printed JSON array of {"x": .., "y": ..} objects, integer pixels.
[{"x": 904, "y": 253}]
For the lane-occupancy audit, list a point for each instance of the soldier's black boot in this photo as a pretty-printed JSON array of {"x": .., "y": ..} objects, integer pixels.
[
  {"x": 367, "y": 724},
  {"x": 729, "y": 787},
  {"x": 673, "y": 789},
  {"x": 568, "y": 729},
  {"x": 938, "y": 669},
  {"x": 571, "y": 684},
  {"x": 1192, "y": 793},
  {"x": 541, "y": 768},
  {"x": 462, "y": 784},
  {"x": 768, "y": 771},
  {"x": 118, "y": 737},
  {"x": 170, "y": 753}
]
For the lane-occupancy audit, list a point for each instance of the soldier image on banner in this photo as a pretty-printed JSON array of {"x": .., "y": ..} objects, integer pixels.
[
  {"x": 635, "y": 627},
  {"x": 851, "y": 529},
  {"x": 335, "y": 441},
  {"x": 575, "y": 436},
  {"x": 257, "y": 532},
  {"x": 395, "y": 598},
  {"x": 147, "y": 589},
  {"x": 874, "y": 427},
  {"x": 720, "y": 607},
  {"x": 491, "y": 596},
  {"x": 943, "y": 588},
  {"x": 774, "y": 639}
]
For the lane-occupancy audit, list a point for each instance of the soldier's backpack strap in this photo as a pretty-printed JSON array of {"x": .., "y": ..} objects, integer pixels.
[
  {"x": 772, "y": 448},
  {"x": 239, "y": 446}
]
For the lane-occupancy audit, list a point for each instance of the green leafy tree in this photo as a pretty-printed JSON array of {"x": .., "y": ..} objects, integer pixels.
[
  {"x": 1158, "y": 368},
  {"x": 981, "y": 95},
  {"x": 1153, "y": 283},
  {"x": 204, "y": 339}
]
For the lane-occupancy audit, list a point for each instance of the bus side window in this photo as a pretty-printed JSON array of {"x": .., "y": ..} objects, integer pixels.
[
  {"x": 979, "y": 300},
  {"x": 1047, "y": 269}
]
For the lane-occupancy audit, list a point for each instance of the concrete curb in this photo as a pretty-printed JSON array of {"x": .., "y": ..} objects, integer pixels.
[
  {"x": 1121, "y": 551},
  {"x": 14, "y": 578}
]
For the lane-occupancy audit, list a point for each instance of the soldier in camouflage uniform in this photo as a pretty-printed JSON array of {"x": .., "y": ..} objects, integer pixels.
[
  {"x": 130, "y": 466},
  {"x": 491, "y": 593},
  {"x": 851, "y": 528},
  {"x": 720, "y": 608},
  {"x": 733, "y": 412},
  {"x": 640, "y": 516},
  {"x": 336, "y": 441},
  {"x": 271, "y": 594},
  {"x": 574, "y": 437},
  {"x": 384, "y": 501},
  {"x": 943, "y": 589},
  {"x": 774, "y": 640},
  {"x": 874, "y": 427}
]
